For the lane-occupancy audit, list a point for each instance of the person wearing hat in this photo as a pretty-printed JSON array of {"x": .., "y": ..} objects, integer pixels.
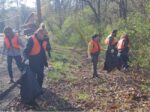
[
  {"x": 12, "y": 49},
  {"x": 111, "y": 52},
  {"x": 46, "y": 44},
  {"x": 93, "y": 52},
  {"x": 35, "y": 56}
]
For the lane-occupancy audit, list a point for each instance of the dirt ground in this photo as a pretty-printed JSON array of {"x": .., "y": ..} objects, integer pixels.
[
  {"x": 117, "y": 91},
  {"x": 77, "y": 91}
]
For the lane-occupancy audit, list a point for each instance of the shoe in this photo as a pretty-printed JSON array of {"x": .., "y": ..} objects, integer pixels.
[
  {"x": 95, "y": 76},
  {"x": 32, "y": 103},
  {"x": 125, "y": 69}
]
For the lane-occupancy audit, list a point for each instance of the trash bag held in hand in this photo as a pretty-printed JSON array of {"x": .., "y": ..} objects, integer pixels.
[{"x": 30, "y": 88}]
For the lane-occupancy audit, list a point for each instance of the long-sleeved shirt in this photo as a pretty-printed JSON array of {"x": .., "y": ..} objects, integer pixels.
[{"x": 13, "y": 51}]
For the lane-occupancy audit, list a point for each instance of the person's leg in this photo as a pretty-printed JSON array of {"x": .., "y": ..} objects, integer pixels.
[
  {"x": 125, "y": 61},
  {"x": 9, "y": 67},
  {"x": 18, "y": 60},
  {"x": 119, "y": 61},
  {"x": 40, "y": 75},
  {"x": 106, "y": 61},
  {"x": 95, "y": 62}
]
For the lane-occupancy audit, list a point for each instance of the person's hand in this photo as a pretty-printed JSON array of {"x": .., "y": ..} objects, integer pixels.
[
  {"x": 26, "y": 62},
  {"x": 112, "y": 50}
]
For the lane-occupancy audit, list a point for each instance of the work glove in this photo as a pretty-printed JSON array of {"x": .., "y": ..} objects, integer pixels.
[{"x": 26, "y": 61}]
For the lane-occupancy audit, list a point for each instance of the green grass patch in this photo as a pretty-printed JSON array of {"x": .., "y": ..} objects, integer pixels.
[
  {"x": 64, "y": 64},
  {"x": 145, "y": 86},
  {"x": 55, "y": 75},
  {"x": 82, "y": 96}
]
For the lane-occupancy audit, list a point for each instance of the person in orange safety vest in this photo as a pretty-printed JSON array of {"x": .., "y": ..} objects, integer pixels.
[
  {"x": 111, "y": 52},
  {"x": 34, "y": 53},
  {"x": 123, "y": 49},
  {"x": 93, "y": 52},
  {"x": 46, "y": 44},
  {"x": 12, "y": 49}
]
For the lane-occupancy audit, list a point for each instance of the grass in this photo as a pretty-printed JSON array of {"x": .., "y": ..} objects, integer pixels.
[
  {"x": 145, "y": 86},
  {"x": 62, "y": 64},
  {"x": 83, "y": 96}
]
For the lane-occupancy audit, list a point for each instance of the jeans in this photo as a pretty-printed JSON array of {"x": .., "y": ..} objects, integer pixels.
[
  {"x": 95, "y": 62},
  {"x": 39, "y": 71},
  {"x": 123, "y": 60},
  {"x": 18, "y": 60}
]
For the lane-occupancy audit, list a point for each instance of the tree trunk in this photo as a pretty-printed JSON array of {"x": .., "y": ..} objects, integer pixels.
[
  {"x": 39, "y": 15},
  {"x": 123, "y": 9}
]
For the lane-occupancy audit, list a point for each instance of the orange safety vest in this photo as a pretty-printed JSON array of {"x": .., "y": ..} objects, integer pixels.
[
  {"x": 95, "y": 46},
  {"x": 120, "y": 44},
  {"x": 36, "y": 47},
  {"x": 107, "y": 41},
  {"x": 14, "y": 41}
]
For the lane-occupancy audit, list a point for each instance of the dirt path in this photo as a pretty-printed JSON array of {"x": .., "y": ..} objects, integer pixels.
[{"x": 7, "y": 91}]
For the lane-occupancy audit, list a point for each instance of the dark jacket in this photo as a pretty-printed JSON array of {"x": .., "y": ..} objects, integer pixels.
[
  {"x": 48, "y": 47},
  {"x": 35, "y": 60}
]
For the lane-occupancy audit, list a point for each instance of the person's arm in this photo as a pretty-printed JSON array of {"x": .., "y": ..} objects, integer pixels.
[
  {"x": 48, "y": 47},
  {"x": 28, "y": 48},
  {"x": 89, "y": 49},
  {"x": 21, "y": 43},
  {"x": 4, "y": 48}
]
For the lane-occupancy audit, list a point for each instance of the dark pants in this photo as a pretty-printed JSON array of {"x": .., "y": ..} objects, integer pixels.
[
  {"x": 39, "y": 70},
  {"x": 110, "y": 60},
  {"x": 9, "y": 64},
  {"x": 122, "y": 60},
  {"x": 95, "y": 62}
]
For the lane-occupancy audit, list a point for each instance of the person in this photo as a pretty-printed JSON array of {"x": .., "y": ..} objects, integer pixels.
[
  {"x": 12, "y": 49},
  {"x": 46, "y": 44},
  {"x": 111, "y": 52},
  {"x": 35, "y": 54},
  {"x": 93, "y": 52},
  {"x": 123, "y": 49}
]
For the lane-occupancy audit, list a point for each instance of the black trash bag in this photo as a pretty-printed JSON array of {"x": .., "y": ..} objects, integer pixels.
[
  {"x": 110, "y": 60},
  {"x": 30, "y": 88}
]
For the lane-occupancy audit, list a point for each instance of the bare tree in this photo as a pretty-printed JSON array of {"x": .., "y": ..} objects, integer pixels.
[
  {"x": 95, "y": 7},
  {"x": 123, "y": 8},
  {"x": 38, "y": 3}
]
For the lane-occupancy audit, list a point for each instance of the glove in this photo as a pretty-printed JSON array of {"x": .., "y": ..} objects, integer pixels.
[
  {"x": 112, "y": 50},
  {"x": 26, "y": 61}
]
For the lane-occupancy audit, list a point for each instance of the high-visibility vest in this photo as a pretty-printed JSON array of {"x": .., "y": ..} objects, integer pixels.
[
  {"x": 36, "y": 46},
  {"x": 120, "y": 44},
  {"x": 14, "y": 42},
  {"x": 95, "y": 46},
  {"x": 108, "y": 39}
]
